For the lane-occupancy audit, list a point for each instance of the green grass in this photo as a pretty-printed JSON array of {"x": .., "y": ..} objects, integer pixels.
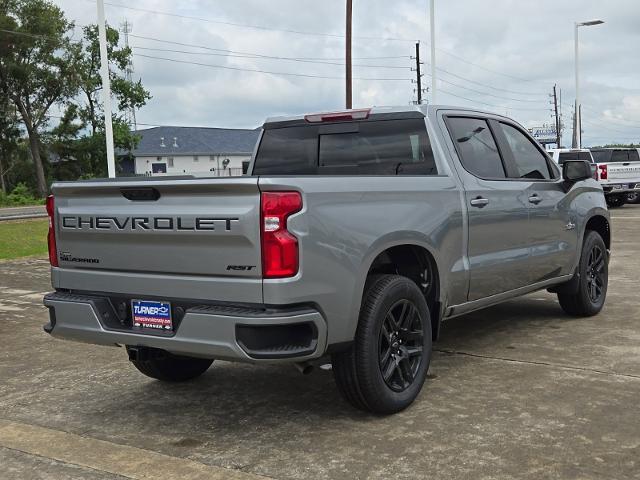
[{"x": 23, "y": 238}]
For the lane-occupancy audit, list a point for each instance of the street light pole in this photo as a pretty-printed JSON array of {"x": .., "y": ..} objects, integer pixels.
[
  {"x": 578, "y": 113},
  {"x": 432, "y": 22},
  {"x": 106, "y": 88}
]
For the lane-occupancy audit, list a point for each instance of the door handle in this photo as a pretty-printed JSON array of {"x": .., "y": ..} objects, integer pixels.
[
  {"x": 535, "y": 199},
  {"x": 479, "y": 202}
]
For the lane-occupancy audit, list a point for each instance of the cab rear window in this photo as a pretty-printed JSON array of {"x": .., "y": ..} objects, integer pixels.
[
  {"x": 385, "y": 147},
  {"x": 564, "y": 156}
]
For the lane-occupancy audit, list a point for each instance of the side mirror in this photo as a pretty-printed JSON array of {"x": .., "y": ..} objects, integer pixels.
[{"x": 576, "y": 170}]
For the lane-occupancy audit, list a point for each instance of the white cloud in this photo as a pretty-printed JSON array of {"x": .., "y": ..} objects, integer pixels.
[{"x": 531, "y": 41}]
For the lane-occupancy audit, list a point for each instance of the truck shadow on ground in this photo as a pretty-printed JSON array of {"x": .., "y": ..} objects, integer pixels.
[{"x": 235, "y": 396}]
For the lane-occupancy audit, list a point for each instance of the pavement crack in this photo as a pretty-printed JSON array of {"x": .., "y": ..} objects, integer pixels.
[
  {"x": 64, "y": 462},
  {"x": 532, "y": 362}
]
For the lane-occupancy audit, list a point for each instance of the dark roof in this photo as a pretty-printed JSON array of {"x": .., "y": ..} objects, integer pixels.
[{"x": 195, "y": 141}]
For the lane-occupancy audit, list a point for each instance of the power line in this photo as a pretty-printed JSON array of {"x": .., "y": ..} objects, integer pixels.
[
  {"x": 485, "y": 93},
  {"x": 501, "y": 107},
  {"x": 304, "y": 60},
  {"x": 630, "y": 125},
  {"x": 245, "y": 25},
  {"x": 256, "y": 55},
  {"x": 484, "y": 84},
  {"x": 485, "y": 68},
  {"x": 600, "y": 123},
  {"x": 265, "y": 57},
  {"x": 290, "y": 74},
  {"x": 299, "y": 32}
]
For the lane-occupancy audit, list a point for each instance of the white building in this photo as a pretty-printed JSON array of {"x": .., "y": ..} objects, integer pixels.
[{"x": 194, "y": 150}]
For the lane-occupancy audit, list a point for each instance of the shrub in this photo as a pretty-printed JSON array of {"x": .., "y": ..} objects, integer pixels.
[{"x": 20, "y": 195}]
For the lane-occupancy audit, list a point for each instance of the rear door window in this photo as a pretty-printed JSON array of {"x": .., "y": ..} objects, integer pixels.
[
  {"x": 530, "y": 162},
  {"x": 620, "y": 156},
  {"x": 634, "y": 156},
  {"x": 476, "y": 147}
]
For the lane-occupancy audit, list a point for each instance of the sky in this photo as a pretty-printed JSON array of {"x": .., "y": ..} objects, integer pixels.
[{"x": 498, "y": 55}]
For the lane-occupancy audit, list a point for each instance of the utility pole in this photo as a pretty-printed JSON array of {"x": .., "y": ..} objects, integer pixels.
[
  {"x": 125, "y": 28},
  {"x": 418, "y": 79},
  {"x": 580, "y": 125},
  {"x": 432, "y": 21},
  {"x": 106, "y": 88},
  {"x": 574, "y": 142},
  {"x": 555, "y": 107},
  {"x": 349, "y": 84}
]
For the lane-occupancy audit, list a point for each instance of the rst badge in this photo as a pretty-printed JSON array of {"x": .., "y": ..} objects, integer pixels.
[{"x": 151, "y": 314}]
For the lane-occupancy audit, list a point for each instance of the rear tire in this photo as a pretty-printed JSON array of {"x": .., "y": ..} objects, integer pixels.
[
  {"x": 633, "y": 198},
  {"x": 386, "y": 366},
  {"x": 593, "y": 271},
  {"x": 167, "y": 367}
]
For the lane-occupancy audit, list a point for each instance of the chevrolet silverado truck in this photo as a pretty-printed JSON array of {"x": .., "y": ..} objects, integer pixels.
[
  {"x": 353, "y": 237},
  {"x": 618, "y": 171}
]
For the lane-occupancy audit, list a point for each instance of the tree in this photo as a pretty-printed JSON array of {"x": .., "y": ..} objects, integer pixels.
[
  {"x": 9, "y": 138},
  {"x": 87, "y": 107},
  {"x": 37, "y": 67}
]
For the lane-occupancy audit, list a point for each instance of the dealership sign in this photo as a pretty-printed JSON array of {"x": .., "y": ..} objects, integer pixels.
[{"x": 544, "y": 134}]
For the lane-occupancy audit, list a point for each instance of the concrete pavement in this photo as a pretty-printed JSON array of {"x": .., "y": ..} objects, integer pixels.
[{"x": 517, "y": 391}]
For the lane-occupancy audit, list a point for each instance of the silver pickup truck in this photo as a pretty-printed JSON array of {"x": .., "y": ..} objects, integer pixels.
[{"x": 354, "y": 236}]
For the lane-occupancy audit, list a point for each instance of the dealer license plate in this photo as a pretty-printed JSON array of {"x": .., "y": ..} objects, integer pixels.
[{"x": 151, "y": 314}]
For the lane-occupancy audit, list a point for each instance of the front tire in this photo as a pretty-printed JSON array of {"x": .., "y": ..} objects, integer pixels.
[
  {"x": 385, "y": 368},
  {"x": 615, "y": 201},
  {"x": 165, "y": 366},
  {"x": 593, "y": 271}
]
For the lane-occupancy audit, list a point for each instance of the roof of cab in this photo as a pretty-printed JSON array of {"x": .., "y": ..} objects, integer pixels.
[{"x": 375, "y": 113}]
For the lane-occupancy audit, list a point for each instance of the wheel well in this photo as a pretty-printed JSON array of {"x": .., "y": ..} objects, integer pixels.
[
  {"x": 417, "y": 264},
  {"x": 599, "y": 224}
]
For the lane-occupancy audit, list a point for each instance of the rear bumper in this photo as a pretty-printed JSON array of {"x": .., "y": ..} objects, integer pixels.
[
  {"x": 221, "y": 332},
  {"x": 616, "y": 188}
]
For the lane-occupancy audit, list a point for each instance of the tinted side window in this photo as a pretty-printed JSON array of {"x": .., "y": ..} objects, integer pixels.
[
  {"x": 601, "y": 156},
  {"x": 620, "y": 156},
  {"x": 477, "y": 148},
  {"x": 530, "y": 162},
  {"x": 393, "y": 147},
  {"x": 287, "y": 151},
  {"x": 634, "y": 156}
]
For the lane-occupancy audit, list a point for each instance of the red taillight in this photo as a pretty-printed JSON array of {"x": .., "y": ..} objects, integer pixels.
[
  {"x": 279, "y": 246},
  {"x": 51, "y": 236},
  {"x": 603, "y": 171},
  {"x": 362, "y": 114}
]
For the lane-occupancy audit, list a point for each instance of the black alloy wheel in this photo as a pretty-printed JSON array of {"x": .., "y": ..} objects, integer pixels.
[
  {"x": 385, "y": 367},
  {"x": 586, "y": 293},
  {"x": 400, "y": 345},
  {"x": 595, "y": 273}
]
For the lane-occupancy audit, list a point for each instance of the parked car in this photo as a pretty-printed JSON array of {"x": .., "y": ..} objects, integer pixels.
[
  {"x": 354, "y": 236},
  {"x": 618, "y": 171}
]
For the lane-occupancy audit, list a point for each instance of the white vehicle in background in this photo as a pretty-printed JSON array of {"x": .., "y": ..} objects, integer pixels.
[
  {"x": 618, "y": 171},
  {"x": 561, "y": 155}
]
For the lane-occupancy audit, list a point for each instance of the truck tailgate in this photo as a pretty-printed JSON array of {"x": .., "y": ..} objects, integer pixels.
[
  {"x": 622, "y": 172},
  {"x": 161, "y": 230}
]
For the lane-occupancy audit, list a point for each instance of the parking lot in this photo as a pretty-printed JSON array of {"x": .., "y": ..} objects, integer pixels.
[{"x": 515, "y": 391}]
